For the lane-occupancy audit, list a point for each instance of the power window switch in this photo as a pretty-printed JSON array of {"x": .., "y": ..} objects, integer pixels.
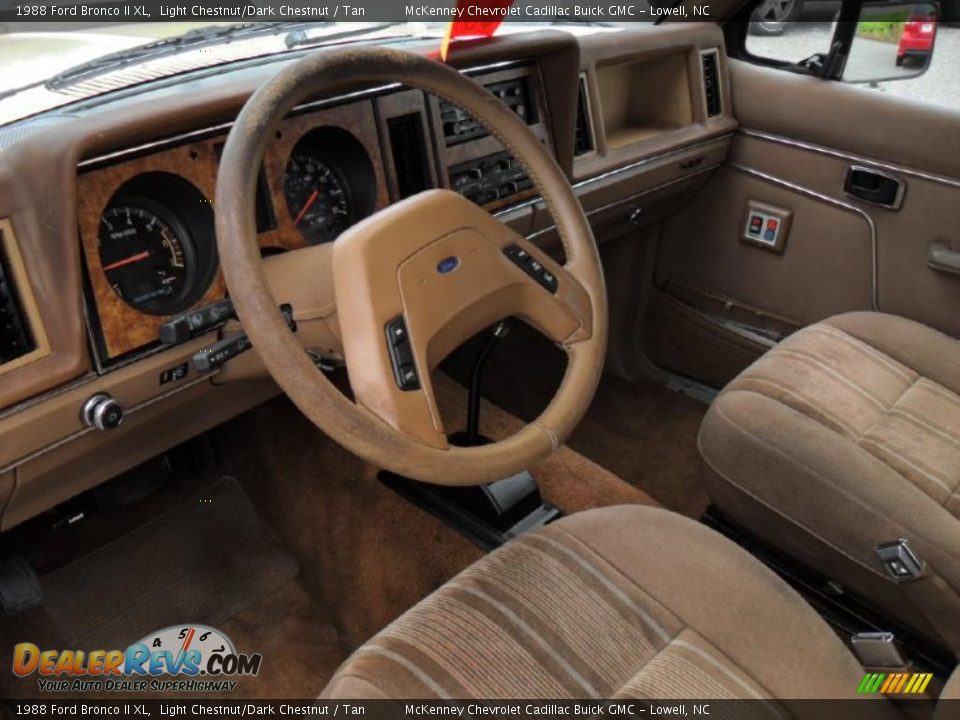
[{"x": 766, "y": 226}]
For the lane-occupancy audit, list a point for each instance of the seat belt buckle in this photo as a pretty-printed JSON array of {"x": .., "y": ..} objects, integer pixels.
[
  {"x": 878, "y": 650},
  {"x": 900, "y": 561}
]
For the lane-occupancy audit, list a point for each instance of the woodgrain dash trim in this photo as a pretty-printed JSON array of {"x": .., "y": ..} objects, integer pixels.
[
  {"x": 125, "y": 330},
  {"x": 21, "y": 286}
]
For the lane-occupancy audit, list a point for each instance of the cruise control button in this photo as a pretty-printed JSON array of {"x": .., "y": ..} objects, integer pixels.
[
  {"x": 398, "y": 333},
  {"x": 532, "y": 267},
  {"x": 408, "y": 377},
  {"x": 401, "y": 355}
]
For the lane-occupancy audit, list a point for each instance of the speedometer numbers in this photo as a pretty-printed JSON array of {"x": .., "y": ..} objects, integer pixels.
[
  {"x": 317, "y": 198},
  {"x": 147, "y": 255}
]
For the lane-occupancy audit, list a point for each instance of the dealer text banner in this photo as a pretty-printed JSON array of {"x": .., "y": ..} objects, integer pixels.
[
  {"x": 474, "y": 710},
  {"x": 356, "y": 11}
]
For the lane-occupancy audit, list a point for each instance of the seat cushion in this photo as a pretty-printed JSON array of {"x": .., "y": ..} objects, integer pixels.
[
  {"x": 844, "y": 436},
  {"x": 627, "y": 602}
]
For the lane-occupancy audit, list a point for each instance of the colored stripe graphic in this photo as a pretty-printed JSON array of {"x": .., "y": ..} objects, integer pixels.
[{"x": 894, "y": 683}]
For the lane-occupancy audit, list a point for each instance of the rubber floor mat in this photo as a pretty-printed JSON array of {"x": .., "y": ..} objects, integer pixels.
[{"x": 199, "y": 563}]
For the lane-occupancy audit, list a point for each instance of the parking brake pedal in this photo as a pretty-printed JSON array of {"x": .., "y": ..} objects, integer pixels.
[{"x": 19, "y": 587}]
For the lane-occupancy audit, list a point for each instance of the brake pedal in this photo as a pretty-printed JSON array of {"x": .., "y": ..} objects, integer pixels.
[{"x": 19, "y": 586}]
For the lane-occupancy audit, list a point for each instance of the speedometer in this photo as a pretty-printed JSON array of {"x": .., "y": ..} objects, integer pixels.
[
  {"x": 148, "y": 256},
  {"x": 317, "y": 197}
]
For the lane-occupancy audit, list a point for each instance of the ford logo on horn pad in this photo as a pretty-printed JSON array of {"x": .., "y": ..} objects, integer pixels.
[{"x": 448, "y": 265}]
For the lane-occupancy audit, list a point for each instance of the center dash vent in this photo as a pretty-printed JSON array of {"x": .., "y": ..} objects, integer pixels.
[
  {"x": 709, "y": 60},
  {"x": 583, "y": 140},
  {"x": 16, "y": 339},
  {"x": 459, "y": 127}
]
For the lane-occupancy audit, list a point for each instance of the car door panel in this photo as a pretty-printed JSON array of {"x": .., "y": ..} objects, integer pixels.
[
  {"x": 930, "y": 214},
  {"x": 799, "y": 137},
  {"x": 851, "y": 118}
]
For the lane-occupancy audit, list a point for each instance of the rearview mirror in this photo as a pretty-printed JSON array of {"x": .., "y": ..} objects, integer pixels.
[{"x": 892, "y": 42}]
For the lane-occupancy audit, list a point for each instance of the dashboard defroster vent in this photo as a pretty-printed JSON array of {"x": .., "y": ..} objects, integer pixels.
[
  {"x": 709, "y": 60},
  {"x": 16, "y": 339},
  {"x": 583, "y": 141}
]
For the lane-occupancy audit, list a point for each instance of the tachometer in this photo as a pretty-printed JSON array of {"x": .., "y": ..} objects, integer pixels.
[
  {"x": 148, "y": 256},
  {"x": 317, "y": 197}
]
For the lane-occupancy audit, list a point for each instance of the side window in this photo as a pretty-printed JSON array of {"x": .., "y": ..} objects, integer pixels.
[
  {"x": 898, "y": 48},
  {"x": 790, "y": 30}
]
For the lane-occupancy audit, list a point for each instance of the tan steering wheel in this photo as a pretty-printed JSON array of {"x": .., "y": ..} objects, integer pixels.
[{"x": 435, "y": 261}]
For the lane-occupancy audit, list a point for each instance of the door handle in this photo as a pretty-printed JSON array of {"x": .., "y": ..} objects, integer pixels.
[
  {"x": 942, "y": 258},
  {"x": 874, "y": 186}
]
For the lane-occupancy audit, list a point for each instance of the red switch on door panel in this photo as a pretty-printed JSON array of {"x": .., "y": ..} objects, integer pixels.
[{"x": 766, "y": 226}]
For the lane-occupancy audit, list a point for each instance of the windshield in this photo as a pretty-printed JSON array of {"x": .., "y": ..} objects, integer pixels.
[
  {"x": 32, "y": 53},
  {"x": 49, "y": 64}
]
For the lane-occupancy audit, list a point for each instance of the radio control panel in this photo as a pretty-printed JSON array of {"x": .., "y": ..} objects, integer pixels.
[{"x": 488, "y": 179}]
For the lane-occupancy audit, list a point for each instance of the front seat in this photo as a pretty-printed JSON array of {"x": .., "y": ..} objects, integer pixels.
[
  {"x": 843, "y": 437},
  {"x": 621, "y": 602}
]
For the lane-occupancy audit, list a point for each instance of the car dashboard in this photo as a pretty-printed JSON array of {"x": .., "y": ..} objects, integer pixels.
[{"x": 107, "y": 220}]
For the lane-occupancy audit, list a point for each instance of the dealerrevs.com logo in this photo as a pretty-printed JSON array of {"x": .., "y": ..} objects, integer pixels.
[{"x": 180, "y": 658}]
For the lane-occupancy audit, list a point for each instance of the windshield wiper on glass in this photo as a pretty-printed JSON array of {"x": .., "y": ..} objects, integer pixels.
[
  {"x": 190, "y": 40},
  {"x": 300, "y": 38}
]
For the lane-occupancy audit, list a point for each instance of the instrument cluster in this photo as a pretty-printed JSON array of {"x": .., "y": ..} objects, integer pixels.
[{"x": 157, "y": 242}]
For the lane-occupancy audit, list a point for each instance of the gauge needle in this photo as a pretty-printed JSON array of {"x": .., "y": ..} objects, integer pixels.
[
  {"x": 306, "y": 206},
  {"x": 127, "y": 261}
]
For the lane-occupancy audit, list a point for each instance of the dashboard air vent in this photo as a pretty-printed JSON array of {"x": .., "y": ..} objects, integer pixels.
[
  {"x": 459, "y": 127},
  {"x": 583, "y": 141},
  {"x": 15, "y": 337},
  {"x": 409, "y": 154},
  {"x": 711, "y": 82}
]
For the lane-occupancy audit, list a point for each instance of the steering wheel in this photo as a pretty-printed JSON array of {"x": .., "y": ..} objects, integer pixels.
[{"x": 436, "y": 262}]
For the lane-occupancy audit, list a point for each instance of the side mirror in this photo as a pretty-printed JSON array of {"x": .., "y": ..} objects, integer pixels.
[{"x": 893, "y": 41}]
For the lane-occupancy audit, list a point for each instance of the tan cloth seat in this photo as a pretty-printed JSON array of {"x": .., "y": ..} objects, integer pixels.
[
  {"x": 844, "y": 436},
  {"x": 625, "y": 602}
]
